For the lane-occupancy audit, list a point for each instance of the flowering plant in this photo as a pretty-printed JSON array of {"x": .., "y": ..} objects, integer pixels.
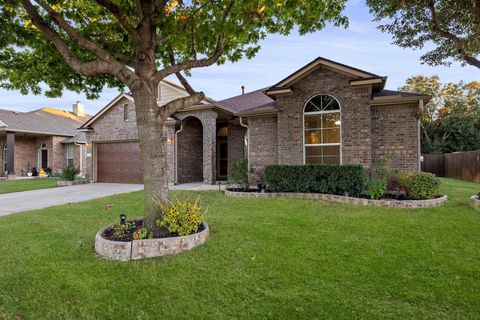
[
  {"x": 181, "y": 217},
  {"x": 140, "y": 233}
]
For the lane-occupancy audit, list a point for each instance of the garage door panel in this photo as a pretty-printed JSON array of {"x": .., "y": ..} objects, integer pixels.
[{"x": 119, "y": 162}]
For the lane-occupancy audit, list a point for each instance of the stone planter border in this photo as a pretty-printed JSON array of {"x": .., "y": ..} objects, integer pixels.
[
  {"x": 64, "y": 183},
  {"x": 148, "y": 248},
  {"x": 475, "y": 203},
  {"x": 411, "y": 204}
]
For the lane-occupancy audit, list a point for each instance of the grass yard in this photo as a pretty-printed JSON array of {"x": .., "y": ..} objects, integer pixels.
[
  {"x": 27, "y": 184},
  {"x": 265, "y": 259}
]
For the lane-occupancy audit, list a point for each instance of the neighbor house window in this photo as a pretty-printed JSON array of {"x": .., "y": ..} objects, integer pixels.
[
  {"x": 322, "y": 142},
  {"x": 126, "y": 113},
  {"x": 69, "y": 154},
  {"x": 4, "y": 159}
]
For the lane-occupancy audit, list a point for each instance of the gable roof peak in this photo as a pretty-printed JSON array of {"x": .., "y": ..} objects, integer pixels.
[{"x": 330, "y": 64}]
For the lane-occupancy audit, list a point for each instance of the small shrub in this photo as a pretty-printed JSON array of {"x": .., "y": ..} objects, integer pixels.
[
  {"x": 318, "y": 178},
  {"x": 421, "y": 185},
  {"x": 376, "y": 188},
  {"x": 238, "y": 175},
  {"x": 181, "y": 217},
  {"x": 70, "y": 173}
]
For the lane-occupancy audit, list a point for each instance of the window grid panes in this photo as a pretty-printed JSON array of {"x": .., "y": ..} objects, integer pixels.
[
  {"x": 322, "y": 141},
  {"x": 69, "y": 155}
]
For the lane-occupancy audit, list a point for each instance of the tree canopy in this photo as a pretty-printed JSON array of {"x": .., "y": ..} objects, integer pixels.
[
  {"x": 451, "y": 120},
  {"x": 452, "y": 26},
  {"x": 77, "y": 37}
]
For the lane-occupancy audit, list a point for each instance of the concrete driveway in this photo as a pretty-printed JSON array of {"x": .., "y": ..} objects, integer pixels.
[{"x": 39, "y": 199}]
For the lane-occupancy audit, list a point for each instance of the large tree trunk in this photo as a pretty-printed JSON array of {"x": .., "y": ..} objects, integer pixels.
[{"x": 150, "y": 133}]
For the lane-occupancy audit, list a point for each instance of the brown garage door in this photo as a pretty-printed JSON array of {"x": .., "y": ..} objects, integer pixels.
[{"x": 119, "y": 162}]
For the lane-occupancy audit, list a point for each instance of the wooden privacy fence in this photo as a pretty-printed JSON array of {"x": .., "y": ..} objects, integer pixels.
[{"x": 457, "y": 165}]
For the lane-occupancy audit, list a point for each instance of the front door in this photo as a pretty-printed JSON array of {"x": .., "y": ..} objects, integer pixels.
[
  {"x": 44, "y": 156},
  {"x": 222, "y": 159}
]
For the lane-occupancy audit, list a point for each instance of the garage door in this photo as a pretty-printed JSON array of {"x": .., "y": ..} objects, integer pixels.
[{"x": 119, "y": 162}]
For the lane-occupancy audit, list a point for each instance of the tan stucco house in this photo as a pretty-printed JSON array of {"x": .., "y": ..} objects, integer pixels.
[
  {"x": 41, "y": 139},
  {"x": 326, "y": 112}
]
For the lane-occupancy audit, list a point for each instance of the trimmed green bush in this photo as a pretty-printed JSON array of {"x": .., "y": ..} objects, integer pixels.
[
  {"x": 70, "y": 173},
  {"x": 421, "y": 185},
  {"x": 238, "y": 175},
  {"x": 315, "y": 178}
]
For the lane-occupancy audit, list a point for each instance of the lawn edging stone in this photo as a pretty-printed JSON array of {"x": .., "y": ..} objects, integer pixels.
[
  {"x": 64, "y": 183},
  {"x": 148, "y": 248},
  {"x": 391, "y": 203},
  {"x": 475, "y": 203}
]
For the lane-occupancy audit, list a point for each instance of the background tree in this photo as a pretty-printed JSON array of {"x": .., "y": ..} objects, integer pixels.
[
  {"x": 453, "y": 26},
  {"x": 84, "y": 45},
  {"x": 451, "y": 120}
]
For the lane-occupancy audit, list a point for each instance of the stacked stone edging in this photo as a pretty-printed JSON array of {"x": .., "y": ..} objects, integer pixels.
[
  {"x": 413, "y": 204},
  {"x": 475, "y": 203},
  {"x": 147, "y": 248}
]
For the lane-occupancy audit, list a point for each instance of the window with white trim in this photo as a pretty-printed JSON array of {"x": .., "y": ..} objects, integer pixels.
[
  {"x": 69, "y": 154},
  {"x": 322, "y": 135}
]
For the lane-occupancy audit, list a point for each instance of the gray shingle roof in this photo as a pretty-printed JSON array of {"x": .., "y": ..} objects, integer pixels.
[
  {"x": 386, "y": 93},
  {"x": 43, "y": 121},
  {"x": 248, "y": 101}
]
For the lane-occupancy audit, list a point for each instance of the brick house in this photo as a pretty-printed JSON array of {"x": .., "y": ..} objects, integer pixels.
[
  {"x": 325, "y": 112},
  {"x": 44, "y": 138}
]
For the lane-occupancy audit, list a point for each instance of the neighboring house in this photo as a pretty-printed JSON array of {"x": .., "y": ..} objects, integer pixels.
[
  {"x": 326, "y": 112},
  {"x": 41, "y": 139}
]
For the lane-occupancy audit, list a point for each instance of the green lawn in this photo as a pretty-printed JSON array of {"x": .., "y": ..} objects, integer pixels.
[
  {"x": 265, "y": 259},
  {"x": 26, "y": 184}
]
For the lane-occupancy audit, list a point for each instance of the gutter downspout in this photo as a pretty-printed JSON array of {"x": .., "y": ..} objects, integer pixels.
[
  {"x": 248, "y": 142},
  {"x": 175, "y": 151},
  {"x": 420, "y": 111}
]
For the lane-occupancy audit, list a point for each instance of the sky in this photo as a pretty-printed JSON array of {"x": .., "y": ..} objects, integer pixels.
[{"x": 362, "y": 46}]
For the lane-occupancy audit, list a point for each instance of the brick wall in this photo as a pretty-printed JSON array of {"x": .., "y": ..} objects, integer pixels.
[
  {"x": 236, "y": 143},
  {"x": 190, "y": 152},
  {"x": 25, "y": 155},
  {"x": 263, "y": 145},
  {"x": 395, "y": 131},
  {"x": 355, "y": 117},
  {"x": 113, "y": 127}
]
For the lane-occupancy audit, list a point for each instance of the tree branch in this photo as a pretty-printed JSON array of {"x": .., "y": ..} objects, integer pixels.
[
  {"x": 179, "y": 104},
  {"x": 181, "y": 78},
  {"x": 86, "y": 69},
  {"x": 196, "y": 63},
  {"x": 457, "y": 41},
  {"x": 116, "y": 12}
]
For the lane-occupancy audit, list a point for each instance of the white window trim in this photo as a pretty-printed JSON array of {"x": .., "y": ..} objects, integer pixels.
[{"x": 320, "y": 113}]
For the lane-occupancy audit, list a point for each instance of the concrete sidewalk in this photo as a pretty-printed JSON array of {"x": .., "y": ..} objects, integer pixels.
[{"x": 44, "y": 198}]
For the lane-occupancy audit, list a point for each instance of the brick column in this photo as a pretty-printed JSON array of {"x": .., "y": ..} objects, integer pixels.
[
  {"x": 11, "y": 153},
  {"x": 209, "y": 148}
]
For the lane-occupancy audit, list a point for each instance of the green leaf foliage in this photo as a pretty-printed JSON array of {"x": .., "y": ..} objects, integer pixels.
[
  {"x": 238, "y": 175},
  {"x": 318, "y": 178},
  {"x": 421, "y": 185},
  {"x": 451, "y": 119},
  {"x": 453, "y": 27},
  {"x": 188, "y": 29}
]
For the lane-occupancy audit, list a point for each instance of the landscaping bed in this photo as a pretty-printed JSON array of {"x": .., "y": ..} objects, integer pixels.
[
  {"x": 475, "y": 202},
  {"x": 127, "y": 248},
  {"x": 386, "y": 202}
]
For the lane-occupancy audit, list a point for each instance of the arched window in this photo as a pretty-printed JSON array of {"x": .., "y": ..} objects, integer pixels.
[
  {"x": 322, "y": 135},
  {"x": 43, "y": 146},
  {"x": 4, "y": 158}
]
